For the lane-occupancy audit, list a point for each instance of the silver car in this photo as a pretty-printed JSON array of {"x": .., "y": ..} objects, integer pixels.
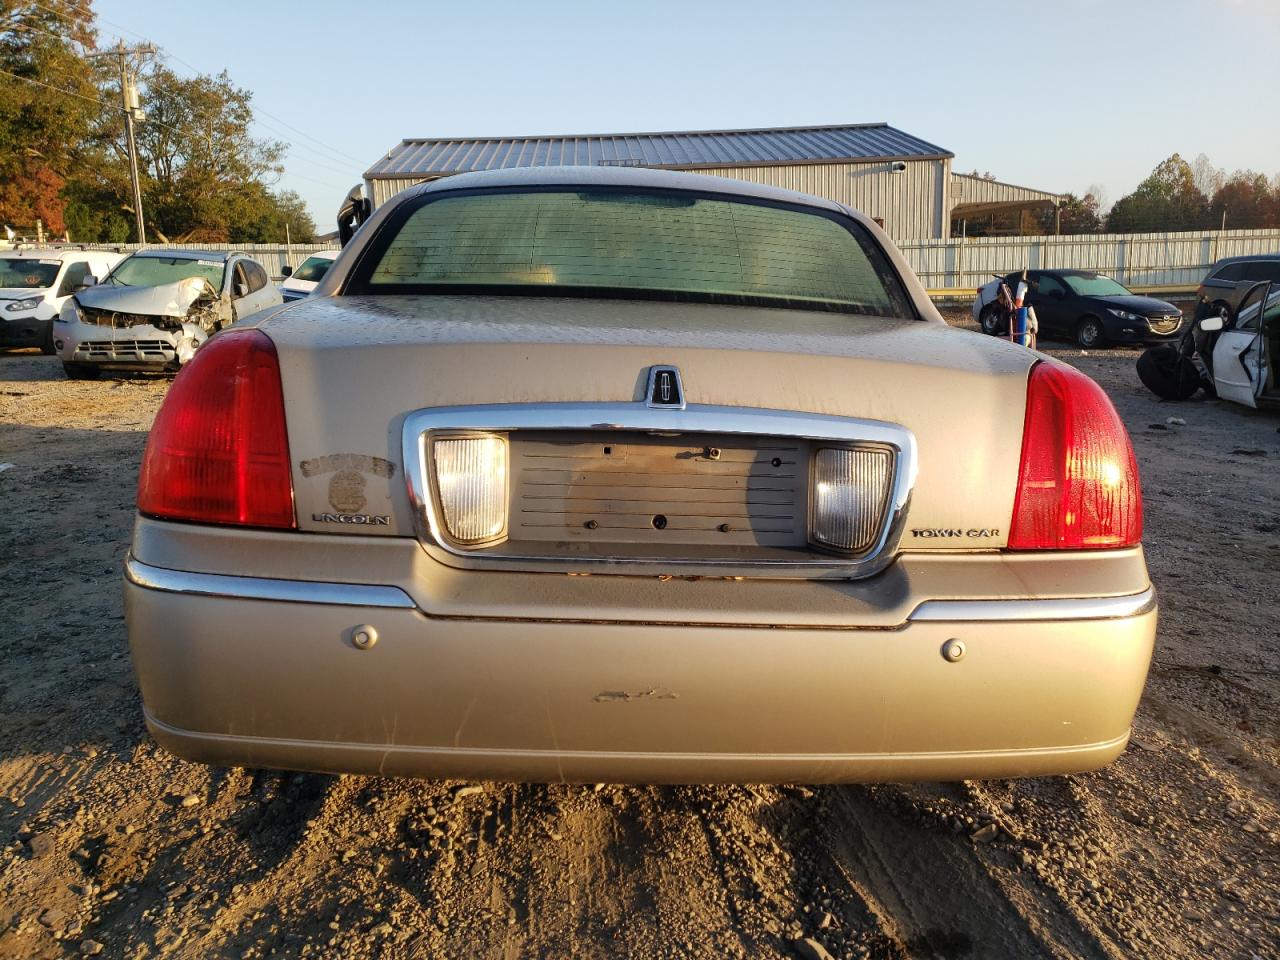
[
  {"x": 602, "y": 474},
  {"x": 156, "y": 307}
]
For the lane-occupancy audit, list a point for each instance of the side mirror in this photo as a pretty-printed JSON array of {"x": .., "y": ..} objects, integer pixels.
[
  {"x": 87, "y": 281},
  {"x": 1211, "y": 324},
  {"x": 286, "y": 271},
  {"x": 242, "y": 290}
]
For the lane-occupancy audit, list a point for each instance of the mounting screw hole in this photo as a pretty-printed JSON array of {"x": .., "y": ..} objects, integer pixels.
[
  {"x": 659, "y": 522},
  {"x": 776, "y": 461},
  {"x": 591, "y": 524},
  {"x": 608, "y": 451}
]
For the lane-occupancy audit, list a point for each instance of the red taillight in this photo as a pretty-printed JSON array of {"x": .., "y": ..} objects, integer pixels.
[
  {"x": 1078, "y": 482},
  {"x": 218, "y": 451}
]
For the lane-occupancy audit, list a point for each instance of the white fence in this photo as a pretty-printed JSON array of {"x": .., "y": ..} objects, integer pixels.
[{"x": 1138, "y": 259}]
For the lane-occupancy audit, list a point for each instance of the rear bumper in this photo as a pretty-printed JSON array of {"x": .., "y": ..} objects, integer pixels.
[{"x": 248, "y": 671}]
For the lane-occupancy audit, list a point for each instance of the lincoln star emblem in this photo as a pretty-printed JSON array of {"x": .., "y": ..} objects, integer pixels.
[{"x": 665, "y": 390}]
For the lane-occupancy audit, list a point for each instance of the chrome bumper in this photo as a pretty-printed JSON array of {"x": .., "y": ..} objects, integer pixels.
[{"x": 251, "y": 671}]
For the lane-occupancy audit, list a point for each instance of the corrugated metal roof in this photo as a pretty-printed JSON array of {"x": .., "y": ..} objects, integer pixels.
[{"x": 686, "y": 150}]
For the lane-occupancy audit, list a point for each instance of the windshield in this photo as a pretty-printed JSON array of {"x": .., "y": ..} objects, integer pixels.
[
  {"x": 28, "y": 274},
  {"x": 659, "y": 245},
  {"x": 313, "y": 268},
  {"x": 155, "y": 271},
  {"x": 1095, "y": 285}
]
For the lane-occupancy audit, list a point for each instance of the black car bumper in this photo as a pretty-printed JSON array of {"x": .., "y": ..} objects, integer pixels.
[
  {"x": 24, "y": 331},
  {"x": 1138, "y": 331}
]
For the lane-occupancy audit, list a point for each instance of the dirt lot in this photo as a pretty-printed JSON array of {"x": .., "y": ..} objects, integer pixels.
[{"x": 110, "y": 846}]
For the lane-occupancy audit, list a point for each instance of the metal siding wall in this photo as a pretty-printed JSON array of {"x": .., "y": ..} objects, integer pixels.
[
  {"x": 967, "y": 189},
  {"x": 905, "y": 201},
  {"x": 1137, "y": 259},
  {"x": 383, "y": 190}
]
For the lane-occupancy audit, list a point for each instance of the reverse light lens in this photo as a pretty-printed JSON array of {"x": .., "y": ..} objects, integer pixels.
[
  {"x": 1078, "y": 481},
  {"x": 471, "y": 480},
  {"x": 850, "y": 488},
  {"x": 218, "y": 451}
]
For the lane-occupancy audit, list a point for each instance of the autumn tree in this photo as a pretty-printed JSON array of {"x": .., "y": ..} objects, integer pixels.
[
  {"x": 1075, "y": 215},
  {"x": 1245, "y": 201},
  {"x": 47, "y": 97},
  {"x": 1168, "y": 199},
  {"x": 203, "y": 173}
]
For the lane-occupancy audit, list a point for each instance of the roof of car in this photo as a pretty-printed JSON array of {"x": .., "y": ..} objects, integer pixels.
[
  {"x": 616, "y": 177},
  {"x": 1065, "y": 273},
  {"x": 56, "y": 253},
  {"x": 1247, "y": 257},
  {"x": 185, "y": 254}
]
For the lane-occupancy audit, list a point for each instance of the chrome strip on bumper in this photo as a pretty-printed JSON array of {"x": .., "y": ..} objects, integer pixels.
[
  {"x": 366, "y": 595},
  {"x": 1084, "y": 608},
  {"x": 259, "y": 588}
]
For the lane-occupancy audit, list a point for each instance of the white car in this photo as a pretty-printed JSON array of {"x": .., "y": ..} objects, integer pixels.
[
  {"x": 1247, "y": 351},
  {"x": 34, "y": 284},
  {"x": 156, "y": 308},
  {"x": 302, "y": 281}
]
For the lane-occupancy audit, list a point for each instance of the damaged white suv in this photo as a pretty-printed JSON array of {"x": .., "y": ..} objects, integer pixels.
[{"x": 156, "y": 307}]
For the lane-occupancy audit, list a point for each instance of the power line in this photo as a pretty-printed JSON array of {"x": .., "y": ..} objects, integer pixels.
[
  {"x": 69, "y": 93},
  {"x": 338, "y": 154}
]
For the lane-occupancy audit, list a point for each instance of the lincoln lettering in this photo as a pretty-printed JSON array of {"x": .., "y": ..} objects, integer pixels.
[{"x": 365, "y": 519}]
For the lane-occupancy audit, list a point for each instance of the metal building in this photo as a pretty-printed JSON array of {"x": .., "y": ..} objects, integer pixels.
[{"x": 902, "y": 181}]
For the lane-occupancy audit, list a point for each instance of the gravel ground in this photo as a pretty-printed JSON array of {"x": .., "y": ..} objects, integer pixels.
[{"x": 111, "y": 847}]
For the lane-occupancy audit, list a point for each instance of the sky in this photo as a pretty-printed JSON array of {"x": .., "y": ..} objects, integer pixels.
[{"x": 1059, "y": 95}]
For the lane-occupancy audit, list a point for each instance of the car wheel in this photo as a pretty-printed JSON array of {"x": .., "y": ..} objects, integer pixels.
[
  {"x": 989, "y": 320},
  {"x": 81, "y": 371},
  {"x": 1089, "y": 333}
]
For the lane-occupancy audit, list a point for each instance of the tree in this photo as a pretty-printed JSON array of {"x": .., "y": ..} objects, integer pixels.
[
  {"x": 1075, "y": 215},
  {"x": 202, "y": 171},
  {"x": 1245, "y": 201},
  {"x": 1167, "y": 200},
  {"x": 1099, "y": 194},
  {"x": 46, "y": 100},
  {"x": 1207, "y": 177}
]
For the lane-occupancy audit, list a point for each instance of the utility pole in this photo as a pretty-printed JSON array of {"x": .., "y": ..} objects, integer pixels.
[{"x": 132, "y": 112}]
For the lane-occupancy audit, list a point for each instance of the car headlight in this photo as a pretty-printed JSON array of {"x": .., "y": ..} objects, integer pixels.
[
  {"x": 848, "y": 492},
  {"x": 70, "y": 312},
  {"x": 471, "y": 484},
  {"x": 21, "y": 306},
  {"x": 1125, "y": 314}
]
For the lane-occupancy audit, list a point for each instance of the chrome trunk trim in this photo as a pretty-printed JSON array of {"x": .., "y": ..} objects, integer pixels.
[
  {"x": 1083, "y": 608},
  {"x": 261, "y": 588}
]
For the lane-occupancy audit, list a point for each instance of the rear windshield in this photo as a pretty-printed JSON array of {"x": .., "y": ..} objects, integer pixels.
[
  {"x": 28, "y": 274},
  {"x": 156, "y": 271},
  {"x": 313, "y": 268},
  {"x": 657, "y": 245},
  {"x": 1095, "y": 286}
]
